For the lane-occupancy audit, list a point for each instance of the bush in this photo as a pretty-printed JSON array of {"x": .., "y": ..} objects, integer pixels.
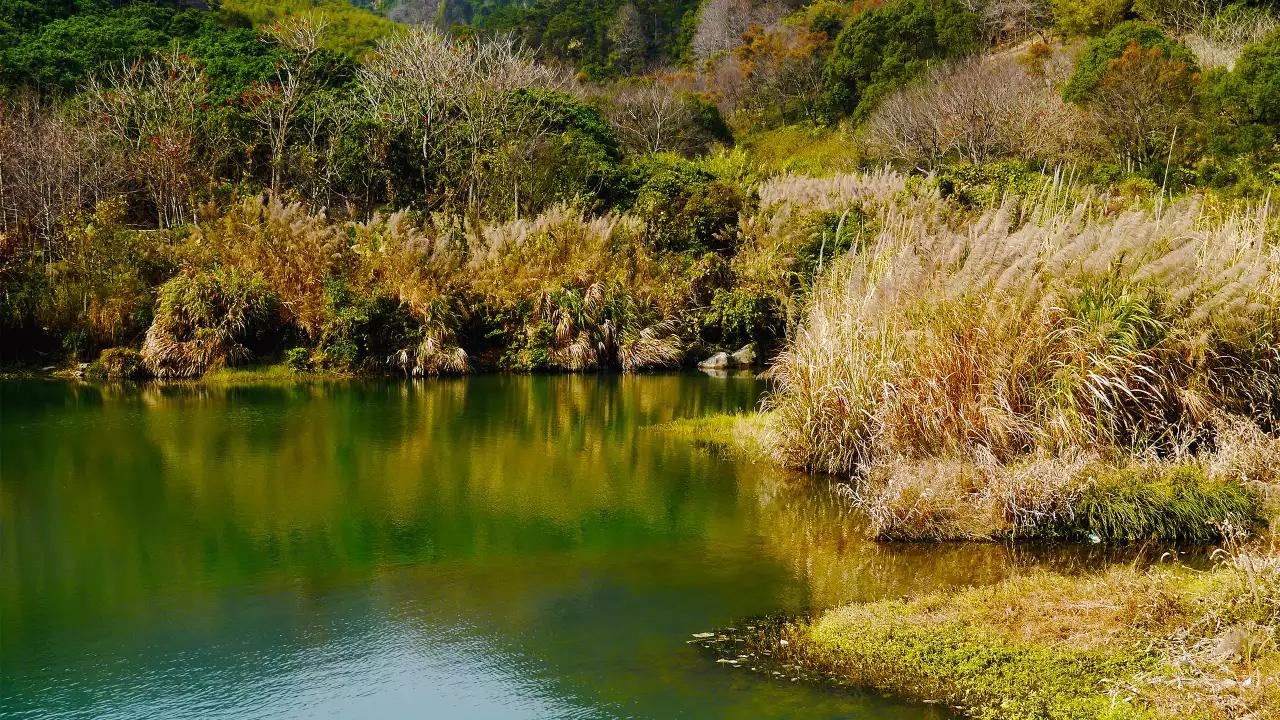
[
  {"x": 209, "y": 319},
  {"x": 884, "y": 47},
  {"x": 987, "y": 186},
  {"x": 1257, "y": 80},
  {"x": 1151, "y": 502},
  {"x": 361, "y": 332},
  {"x": 738, "y": 316},
  {"x": 1101, "y": 52},
  {"x": 686, "y": 208},
  {"x": 1075, "y": 18},
  {"x": 118, "y": 363},
  {"x": 298, "y": 359}
]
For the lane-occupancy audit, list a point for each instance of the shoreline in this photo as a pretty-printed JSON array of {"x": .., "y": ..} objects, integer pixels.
[{"x": 1158, "y": 643}]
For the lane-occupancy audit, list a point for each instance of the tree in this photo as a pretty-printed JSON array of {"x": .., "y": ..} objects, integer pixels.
[
  {"x": 1096, "y": 59},
  {"x": 1144, "y": 99},
  {"x": 152, "y": 110},
  {"x": 781, "y": 70},
  {"x": 1002, "y": 21},
  {"x": 650, "y": 117},
  {"x": 1082, "y": 18},
  {"x": 274, "y": 105},
  {"x": 455, "y": 99},
  {"x": 886, "y": 46},
  {"x": 1257, "y": 80},
  {"x": 976, "y": 110}
]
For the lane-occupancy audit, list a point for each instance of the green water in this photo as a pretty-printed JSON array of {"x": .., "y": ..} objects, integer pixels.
[{"x": 499, "y": 547}]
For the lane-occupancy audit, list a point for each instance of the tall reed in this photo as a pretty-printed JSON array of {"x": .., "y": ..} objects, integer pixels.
[{"x": 1062, "y": 333}]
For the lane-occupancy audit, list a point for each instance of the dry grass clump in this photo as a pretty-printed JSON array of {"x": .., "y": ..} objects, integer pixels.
[
  {"x": 562, "y": 247},
  {"x": 816, "y": 194},
  {"x": 1061, "y": 373},
  {"x": 959, "y": 499},
  {"x": 1060, "y": 335},
  {"x": 594, "y": 328},
  {"x": 598, "y": 295},
  {"x": 205, "y": 321},
  {"x": 804, "y": 222},
  {"x": 292, "y": 249}
]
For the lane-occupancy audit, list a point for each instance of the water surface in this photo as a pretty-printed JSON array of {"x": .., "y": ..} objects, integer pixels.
[{"x": 491, "y": 547}]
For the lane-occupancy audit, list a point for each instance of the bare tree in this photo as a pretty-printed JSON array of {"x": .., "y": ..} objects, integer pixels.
[
  {"x": 649, "y": 117},
  {"x": 274, "y": 106},
  {"x": 721, "y": 23},
  {"x": 151, "y": 109},
  {"x": 977, "y": 110},
  {"x": 627, "y": 35},
  {"x": 455, "y": 97},
  {"x": 1003, "y": 21},
  {"x": 49, "y": 166}
]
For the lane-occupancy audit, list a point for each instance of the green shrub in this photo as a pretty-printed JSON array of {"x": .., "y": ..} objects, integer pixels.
[
  {"x": 738, "y": 316},
  {"x": 1098, "y": 57},
  {"x": 360, "y": 332},
  {"x": 1075, "y": 18},
  {"x": 298, "y": 359},
  {"x": 209, "y": 319},
  {"x": 118, "y": 363},
  {"x": 1154, "y": 502},
  {"x": 884, "y": 47},
  {"x": 1257, "y": 80},
  {"x": 988, "y": 185},
  {"x": 686, "y": 208}
]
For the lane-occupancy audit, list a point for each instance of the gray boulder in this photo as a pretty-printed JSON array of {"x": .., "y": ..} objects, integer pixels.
[
  {"x": 719, "y": 361},
  {"x": 745, "y": 357}
]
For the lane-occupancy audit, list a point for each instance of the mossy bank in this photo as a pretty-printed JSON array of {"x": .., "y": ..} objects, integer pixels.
[{"x": 1164, "y": 642}]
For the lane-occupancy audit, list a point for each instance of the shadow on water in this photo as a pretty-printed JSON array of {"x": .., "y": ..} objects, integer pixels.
[{"x": 482, "y": 547}]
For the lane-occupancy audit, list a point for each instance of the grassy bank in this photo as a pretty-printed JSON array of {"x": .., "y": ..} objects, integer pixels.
[{"x": 1166, "y": 642}]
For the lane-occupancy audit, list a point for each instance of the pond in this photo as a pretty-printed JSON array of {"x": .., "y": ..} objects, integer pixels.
[{"x": 498, "y": 546}]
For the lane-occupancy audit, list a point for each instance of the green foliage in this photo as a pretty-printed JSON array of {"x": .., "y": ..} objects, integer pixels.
[
  {"x": 102, "y": 284},
  {"x": 587, "y": 34},
  {"x": 1151, "y": 502},
  {"x": 1083, "y": 18},
  {"x": 349, "y": 29},
  {"x": 1257, "y": 80},
  {"x": 738, "y": 316},
  {"x": 118, "y": 363},
  {"x": 1102, "y": 52},
  {"x": 983, "y": 186},
  {"x": 884, "y": 47},
  {"x": 298, "y": 359},
  {"x": 578, "y": 155},
  {"x": 686, "y": 208},
  {"x": 60, "y": 53},
  {"x": 362, "y": 332}
]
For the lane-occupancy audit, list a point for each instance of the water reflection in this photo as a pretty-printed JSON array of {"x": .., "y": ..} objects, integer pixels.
[{"x": 493, "y": 546}]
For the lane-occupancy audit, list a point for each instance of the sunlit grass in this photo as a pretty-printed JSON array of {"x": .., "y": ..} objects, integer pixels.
[
  {"x": 802, "y": 149},
  {"x": 349, "y": 29}
]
